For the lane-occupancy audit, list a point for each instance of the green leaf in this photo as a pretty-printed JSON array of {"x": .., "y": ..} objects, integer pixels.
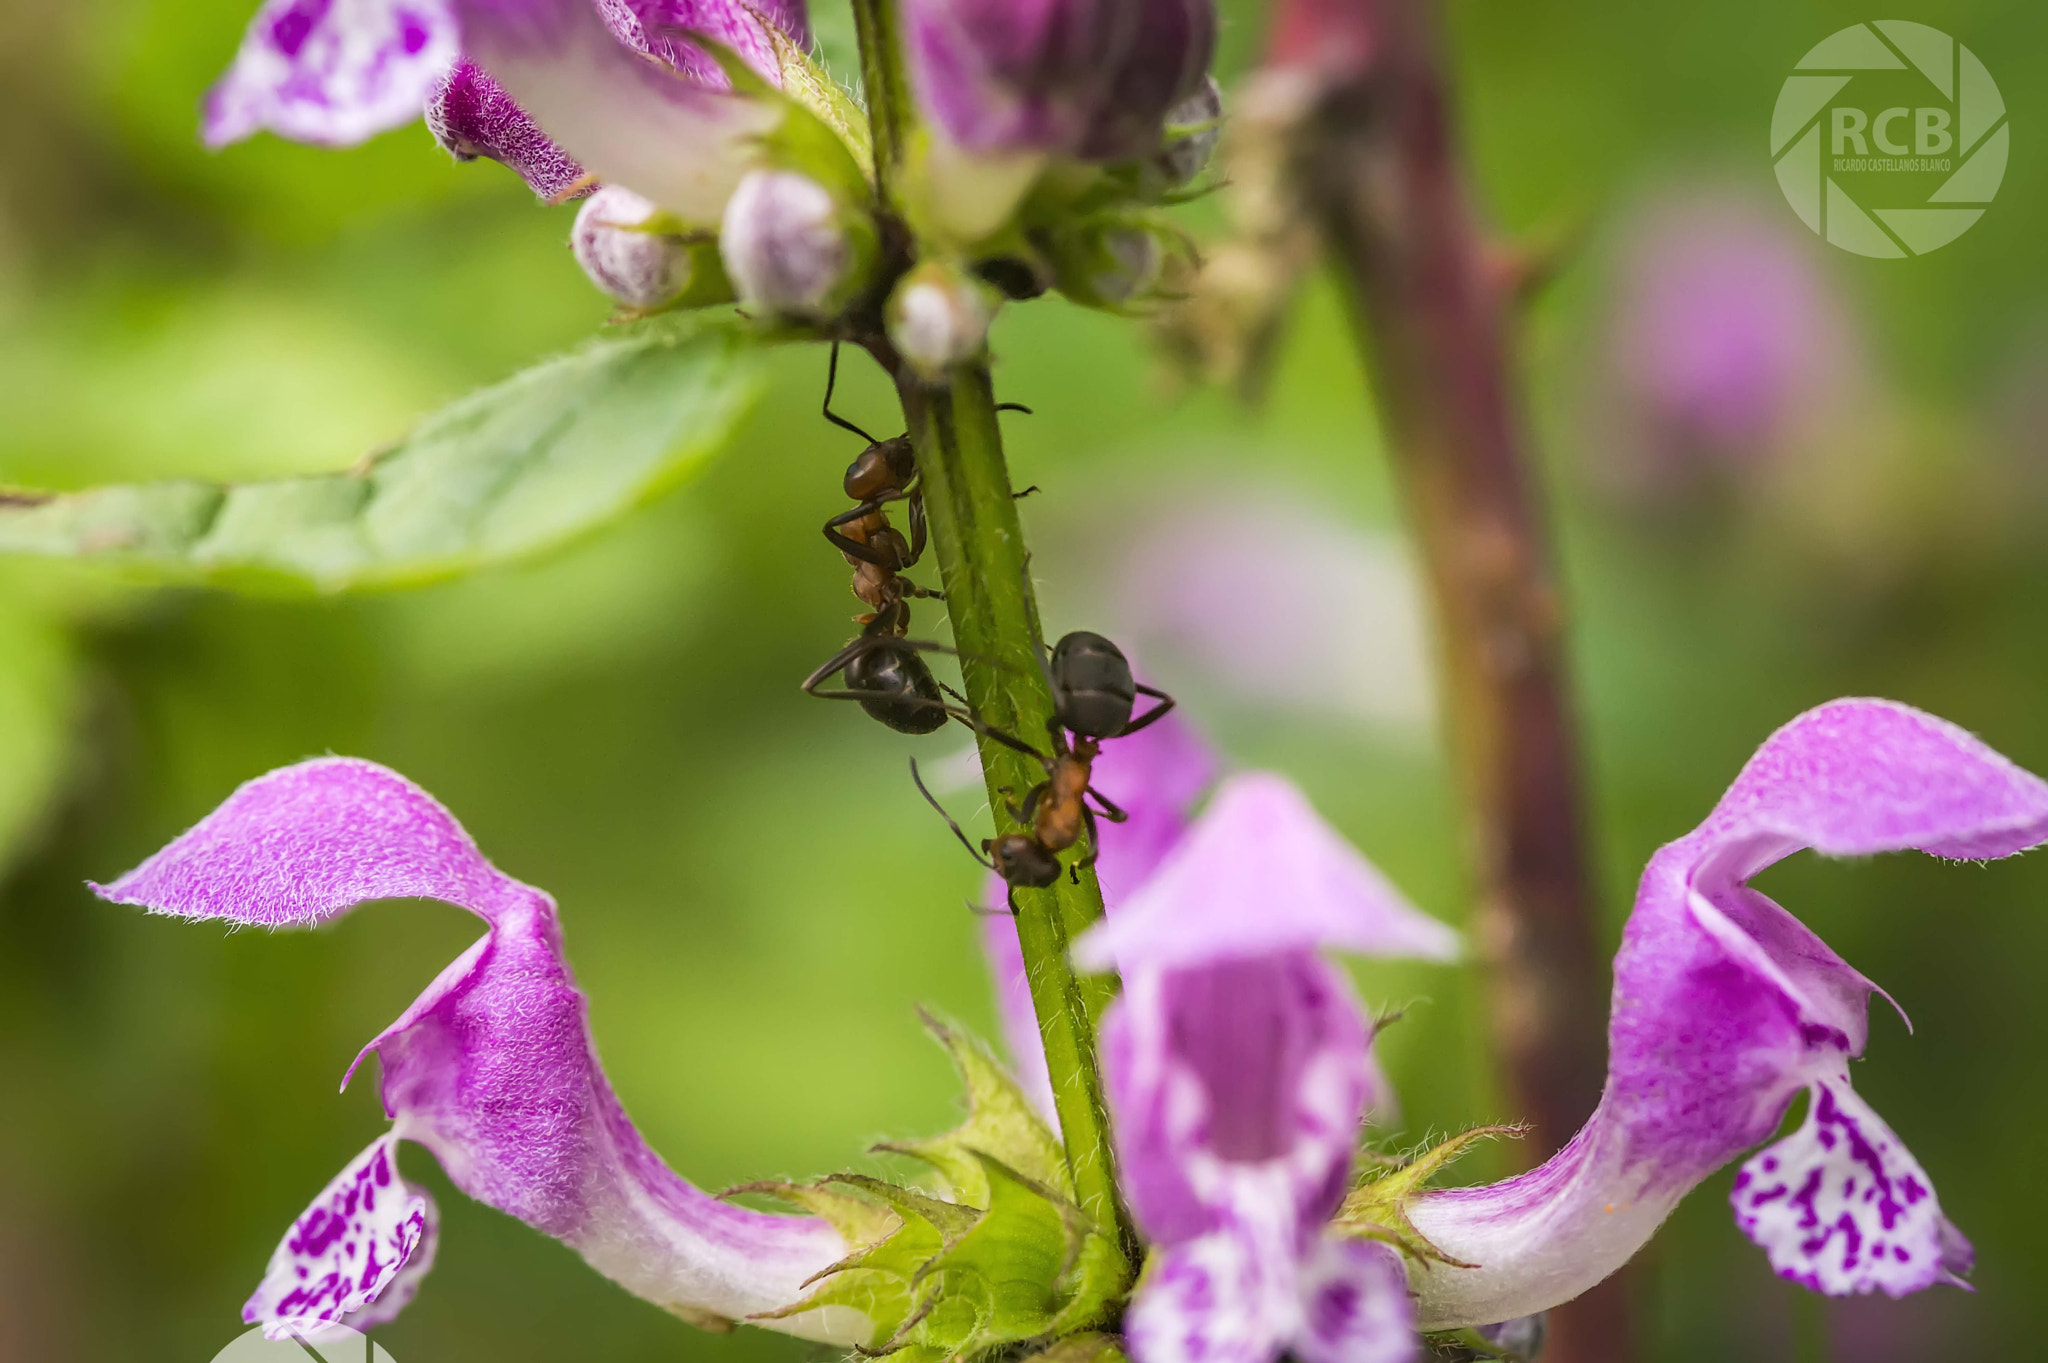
[{"x": 548, "y": 454}]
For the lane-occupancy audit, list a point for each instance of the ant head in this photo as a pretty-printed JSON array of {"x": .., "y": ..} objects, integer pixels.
[
  {"x": 885, "y": 466},
  {"x": 1023, "y": 860},
  {"x": 1093, "y": 686}
]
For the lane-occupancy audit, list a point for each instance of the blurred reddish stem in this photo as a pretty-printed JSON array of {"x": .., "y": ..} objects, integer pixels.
[{"x": 1378, "y": 165}]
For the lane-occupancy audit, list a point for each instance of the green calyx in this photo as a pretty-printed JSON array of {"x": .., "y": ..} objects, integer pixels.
[
  {"x": 1004, "y": 1259},
  {"x": 1377, "y": 1209}
]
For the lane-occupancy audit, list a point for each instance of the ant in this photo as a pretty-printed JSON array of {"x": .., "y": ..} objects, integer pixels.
[
  {"x": 883, "y": 670},
  {"x": 1094, "y": 697}
]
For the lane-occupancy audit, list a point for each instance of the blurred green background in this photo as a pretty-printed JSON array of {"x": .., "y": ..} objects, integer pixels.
[{"x": 754, "y": 896}]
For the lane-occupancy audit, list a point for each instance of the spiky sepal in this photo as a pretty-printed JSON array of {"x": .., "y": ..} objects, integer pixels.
[{"x": 1007, "y": 1259}]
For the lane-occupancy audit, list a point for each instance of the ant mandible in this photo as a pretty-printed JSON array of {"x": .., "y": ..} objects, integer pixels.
[{"x": 1094, "y": 696}]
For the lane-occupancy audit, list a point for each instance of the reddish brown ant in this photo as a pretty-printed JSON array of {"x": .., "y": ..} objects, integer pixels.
[
  {"x": 884, "y": 670},
  {"x": 1094, "y": 695}
]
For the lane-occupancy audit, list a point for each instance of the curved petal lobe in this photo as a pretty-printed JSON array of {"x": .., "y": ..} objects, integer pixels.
[
  {"x": 332, "y": 72},
  {"x": 347, "y": 1250},
  {"x": 1260, "y": 873},
  {"x": 493, "y": 1067},
  {"x": 624, "y": 110},
  {"x": 1841, "y": 1206},
  {"x": 1725, "y": 1008},
  {"x": 470, "y": 115}
]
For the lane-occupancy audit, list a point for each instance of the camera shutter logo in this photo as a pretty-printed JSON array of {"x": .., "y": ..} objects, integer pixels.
[
  {"x": 334, "y": 1344},
  {"x": 1890, "y": 139}
]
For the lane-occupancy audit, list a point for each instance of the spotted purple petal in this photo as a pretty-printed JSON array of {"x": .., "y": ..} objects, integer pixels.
[
  {"x": 492, "y": 1068},
  {"x": 1261, "y": 874},
  {"x": 638, "y": 105},
  {"x": 1219, "y": 1298},
  {"x": 333, "y": 72},
  {"x": 470, "y": 115},
  {"x": 1726, "y": 1007},
  {"x": 1355, "y": 1306},
  {"x": 1242, "y": 1294},
  {"x": 1841, "y": 1206},
  {"x": 347, "y": 1250}
]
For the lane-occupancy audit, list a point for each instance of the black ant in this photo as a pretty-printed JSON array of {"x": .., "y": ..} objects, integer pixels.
[
  {"x": 884, "y": 670},
  {"x": 1094, "y": 695}
]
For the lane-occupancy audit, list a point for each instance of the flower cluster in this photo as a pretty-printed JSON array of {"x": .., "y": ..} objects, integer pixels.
[
  {"x": 734, "y": 168},
  {"x": 1239, "y": 1076}
]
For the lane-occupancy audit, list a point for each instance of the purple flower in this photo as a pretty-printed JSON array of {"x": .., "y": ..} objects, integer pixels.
[
  {"x": 1238, "y": 1069},
  {"x": 1088, "y": 78},
  {"x": 1726, "y": 1008},
  {"x": 1728, "y": 348},
  {"x": 547, "y": 86},
  {"x": 492, "y": 1069}
]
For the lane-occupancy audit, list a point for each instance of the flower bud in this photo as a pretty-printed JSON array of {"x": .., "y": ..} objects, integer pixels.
[
  {"x": 939, "y": 317},
  {"x": 792, "y": 249},
  {"x": 1192, "y": 129},
  {"x": 1087, "y": 78},
  {"x": 1106, "y": 264},
  {"x": 619, "y": 243}
]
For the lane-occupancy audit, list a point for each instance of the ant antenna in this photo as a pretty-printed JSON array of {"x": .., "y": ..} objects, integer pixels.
[
  {"x": 979, "y": 856},
  {"x": 831, "y": 382},
  {"x": 1015, "y": 407}
]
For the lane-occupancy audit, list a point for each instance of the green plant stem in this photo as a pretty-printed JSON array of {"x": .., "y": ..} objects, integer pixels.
[
  {"x": 983, "y": 565},
  {"x": 881, "y": 74},
  {"x": 985, "y": 570}
]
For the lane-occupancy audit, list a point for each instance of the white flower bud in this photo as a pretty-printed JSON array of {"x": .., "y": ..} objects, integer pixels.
[
  {"x": 1192, "y": 127},
  {"x": 939, "y": 317},
  {"x": 641, "y": 269},
  {"x": 791, "y": 249}
]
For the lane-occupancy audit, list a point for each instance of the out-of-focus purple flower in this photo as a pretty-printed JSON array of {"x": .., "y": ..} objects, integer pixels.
[
  {"x": 1726, "y": 344},
  {"x": 1725, "y": 1009},
  {"x": 1156, "y": 775},
  {"x": 1089, "y": 78},
  {"x": 1278, "y": 601},
  {"x": 492, "y": 1069},
  {"x": 332, "y": 72},
  {"x": 615, "y": 85},
  {"x": 1237, "y": 1068}
]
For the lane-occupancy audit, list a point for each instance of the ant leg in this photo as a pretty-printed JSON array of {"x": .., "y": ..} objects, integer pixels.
[
  {"x": 854, "y": 548},
  {"x": 854, "y": 649},
  {"x": 981, "y": 912},
  {"x": 1094, "y": 846},
  {"x": 1157, "y": 712},
  {"x": 1110, "y": 810},
  {"x": 831, "y": 382},
  {"x": 1020, "y": 496},
  {"x": 837, "y": 661},
  {"x": 981, "y": 857},
  {"x": 915, "y": 492},
  {"x": 1015, "y": 407}
]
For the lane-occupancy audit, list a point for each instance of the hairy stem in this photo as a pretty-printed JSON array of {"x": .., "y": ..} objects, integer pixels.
[
  {"x": 881, "y": 74},
  {"x": 983, "y": 565},
  {"x": 985, "y": 571},
  {"x": 1379, "y": 165}
]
